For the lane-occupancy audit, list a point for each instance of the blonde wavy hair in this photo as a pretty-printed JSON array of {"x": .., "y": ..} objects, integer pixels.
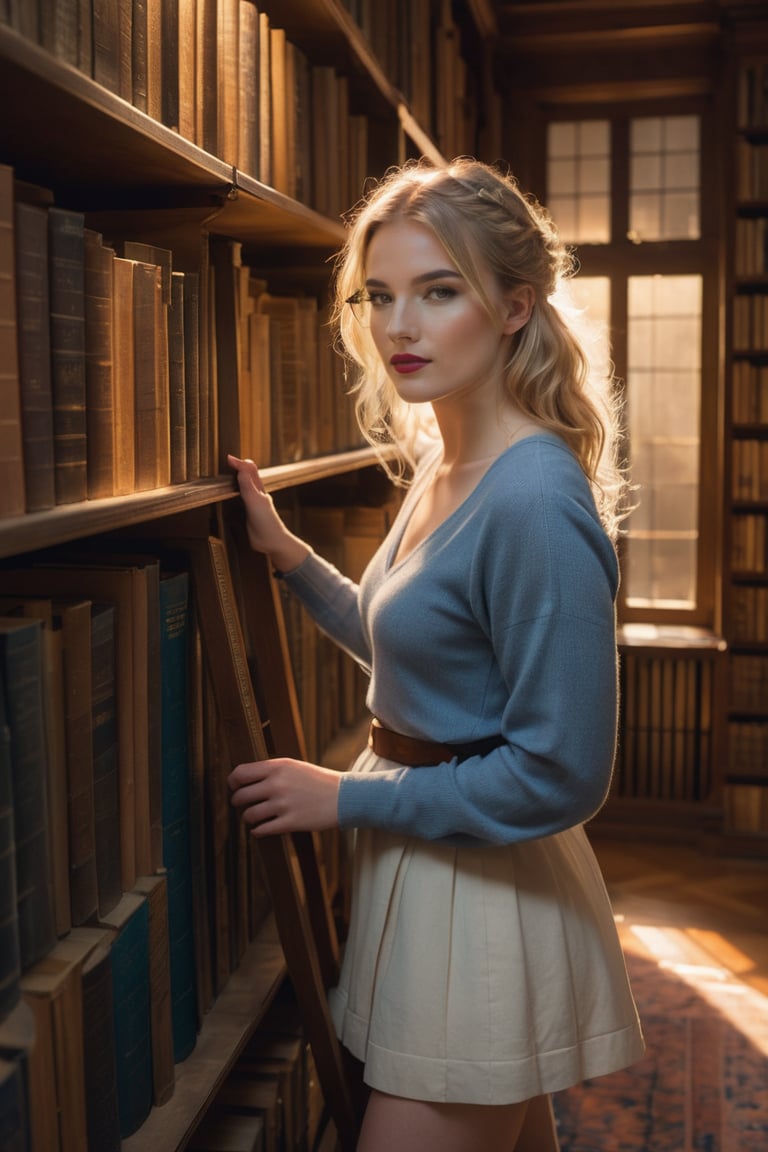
[{"x": 485, "y": 223}]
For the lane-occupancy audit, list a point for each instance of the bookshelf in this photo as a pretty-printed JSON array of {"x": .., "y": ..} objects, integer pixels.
[
  {"x": 746, "y": 586},
  {"x": 217, "y": 147}
]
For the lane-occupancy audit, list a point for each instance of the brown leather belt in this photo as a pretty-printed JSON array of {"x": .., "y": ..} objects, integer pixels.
[{"x": 421, "y": 753}]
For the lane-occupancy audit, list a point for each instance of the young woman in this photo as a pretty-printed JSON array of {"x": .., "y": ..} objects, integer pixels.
[{"x": 482, "y": 969}]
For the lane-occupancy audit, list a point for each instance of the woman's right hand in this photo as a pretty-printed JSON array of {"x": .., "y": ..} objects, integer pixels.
[{"x": 266, "y": 531}]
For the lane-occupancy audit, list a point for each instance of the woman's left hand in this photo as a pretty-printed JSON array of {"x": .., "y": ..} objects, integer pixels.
[{"x": 284, "y": 795}]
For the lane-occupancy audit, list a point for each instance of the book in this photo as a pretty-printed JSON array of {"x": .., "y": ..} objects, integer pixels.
[
  {"x": 151, "y": 416},
  {"x": 12, "y": 494},
  {"x": 199, "y": 844},
  {"x": 59, "y": 31},
  {"x": 177, "y": 381},
  {"x": 124, "y": 377},
  {"x": 21, "y": 681},
  {"x": 146, "y": 57},
  {"x": 192, "y": 418},
  {"x": 256, "y": 431},
  {"x": 75, "y": 621},
  {"x": 225, "y": 262},
  {"x": 52, "y": 988},
  {"x": 170, "y": 43},
  {"x": 129, "y": 922},
  {"x": 99, "y": 365},
  {"x": 265, "y": 100},
  {"x": 207, "y": 431},
  {"x": 155, "y": 890},
  {"x": 106, "y": 755},
  {"x": 206, "y": 77},
  {"x": 176, "y": 783},
  {"x": 107, "y": 47},
  {"x": 302, "y": 84},
  {"x": 17, "y": 1041},
  {"x": 292, "y": 374},
  {"x": 66, "y": 278},
  {"x": 34, "y": 355},
  {"x": 10, "y": 966},
  {"x": 40, "y": 608},
  {"x": 187, "y": 64},
  {"x": 113, "y": 586},
  {"x": 248, "y": 83},
  {"x": 14, "y": 1126},
  {"x": 227, "y": 81},
  {"x": 101, "y": 1103},
  {"x": 282, "y": 177},
  {"x": 260, "y": 1097},
  {"x": 147, "y": 693}
]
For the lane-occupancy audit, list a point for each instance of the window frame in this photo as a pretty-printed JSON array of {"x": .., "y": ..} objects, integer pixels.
[{"x": 621, "y": 258}]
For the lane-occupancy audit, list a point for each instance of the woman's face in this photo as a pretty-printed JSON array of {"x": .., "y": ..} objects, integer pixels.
[{"x": 431, "y": 330}]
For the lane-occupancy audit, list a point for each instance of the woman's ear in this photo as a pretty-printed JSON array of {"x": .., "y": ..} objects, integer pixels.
[{"x": 516, "y": 308}]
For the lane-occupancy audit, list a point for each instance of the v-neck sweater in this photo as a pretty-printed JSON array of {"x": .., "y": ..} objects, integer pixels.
[{"x": 502, "y": 620}]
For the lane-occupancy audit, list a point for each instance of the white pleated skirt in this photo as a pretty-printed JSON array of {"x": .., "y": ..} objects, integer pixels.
[{"x": 482, "y": 974}]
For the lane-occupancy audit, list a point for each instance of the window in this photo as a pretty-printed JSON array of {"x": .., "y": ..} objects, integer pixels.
[
  {"x": 664, "y": 178},
  {"x": 625, "y": 190},
  {"x": 663, "y": 417},
  {"x": 579, "y": 179}
]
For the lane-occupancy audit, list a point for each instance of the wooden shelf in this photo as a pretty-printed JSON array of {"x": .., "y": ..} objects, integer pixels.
[
  {"x": 64, "y": 122},
  {"x": 235, "y": 1014},
  {"x": 121, "y": 166},
  {"x": 653, "y": 636},
  {"x": 68, "y": 522}
]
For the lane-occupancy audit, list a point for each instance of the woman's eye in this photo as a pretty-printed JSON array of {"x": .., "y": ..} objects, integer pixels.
[
  {"x": 378, "y": 299},
  {"x": 441, "y": 292}
]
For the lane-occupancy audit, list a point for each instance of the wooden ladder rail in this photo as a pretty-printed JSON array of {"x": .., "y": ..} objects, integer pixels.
[
  {"x": 261, "y": 613},
  {"x": 225, "y": 651}
]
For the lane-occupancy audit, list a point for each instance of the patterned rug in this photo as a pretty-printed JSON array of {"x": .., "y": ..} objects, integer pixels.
[{"x": 702, "y": 1085}]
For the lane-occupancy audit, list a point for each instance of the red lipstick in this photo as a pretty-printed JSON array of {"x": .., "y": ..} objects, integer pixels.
[{"x": 404, "y": 362}]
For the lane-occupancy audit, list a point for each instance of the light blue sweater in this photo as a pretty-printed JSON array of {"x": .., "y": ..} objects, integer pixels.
[{"x": 502, "y": 620}]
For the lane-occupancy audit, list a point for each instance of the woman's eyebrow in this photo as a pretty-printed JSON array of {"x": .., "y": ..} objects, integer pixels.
[{"x": 424, "y": 278}]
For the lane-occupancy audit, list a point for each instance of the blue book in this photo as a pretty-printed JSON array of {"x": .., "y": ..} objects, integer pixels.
[
  {"x": 174, "y": 661},
  {"x": 131, "y": 1005}
]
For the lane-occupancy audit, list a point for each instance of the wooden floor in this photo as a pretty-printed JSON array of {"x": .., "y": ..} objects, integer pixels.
[{"x": 706, "y": 904}]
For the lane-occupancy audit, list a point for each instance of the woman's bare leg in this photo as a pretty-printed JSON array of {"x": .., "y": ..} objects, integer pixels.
[
  {"x": 539, "y": 1131},
  {"x": 392, "y": 1122}
]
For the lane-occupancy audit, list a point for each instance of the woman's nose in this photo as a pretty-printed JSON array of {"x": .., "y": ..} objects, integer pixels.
[{"x": 403, "y": 321}]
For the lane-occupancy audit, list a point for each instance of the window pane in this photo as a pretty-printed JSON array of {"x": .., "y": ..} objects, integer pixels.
[
  {"x": 595, "y": 176},
  {"x": 664, "y": 569},
  {"x": 564, "y": 214},
  {"x": 562, "y": 177},
  {"x": 682, "y": 132},
  {"x": 645, "y": 134},
  {"x": 646, "y": 172},
  {"x": 663, "y": 408},
  {"x": 579, "y": 179},
  {"x": 664, "y": 178},
  {"x": 595, "y": 137},
  {"x": 682, "y": 170},
  {"x": 646, "y": 217},
  {"x": 562, "y": 139},
  {"x": 593, "y": 226}
]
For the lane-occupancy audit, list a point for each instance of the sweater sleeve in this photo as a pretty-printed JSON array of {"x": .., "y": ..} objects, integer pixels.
[
  {"x": 544, "y": 592},
  {"x": 333, "y": 602}
]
